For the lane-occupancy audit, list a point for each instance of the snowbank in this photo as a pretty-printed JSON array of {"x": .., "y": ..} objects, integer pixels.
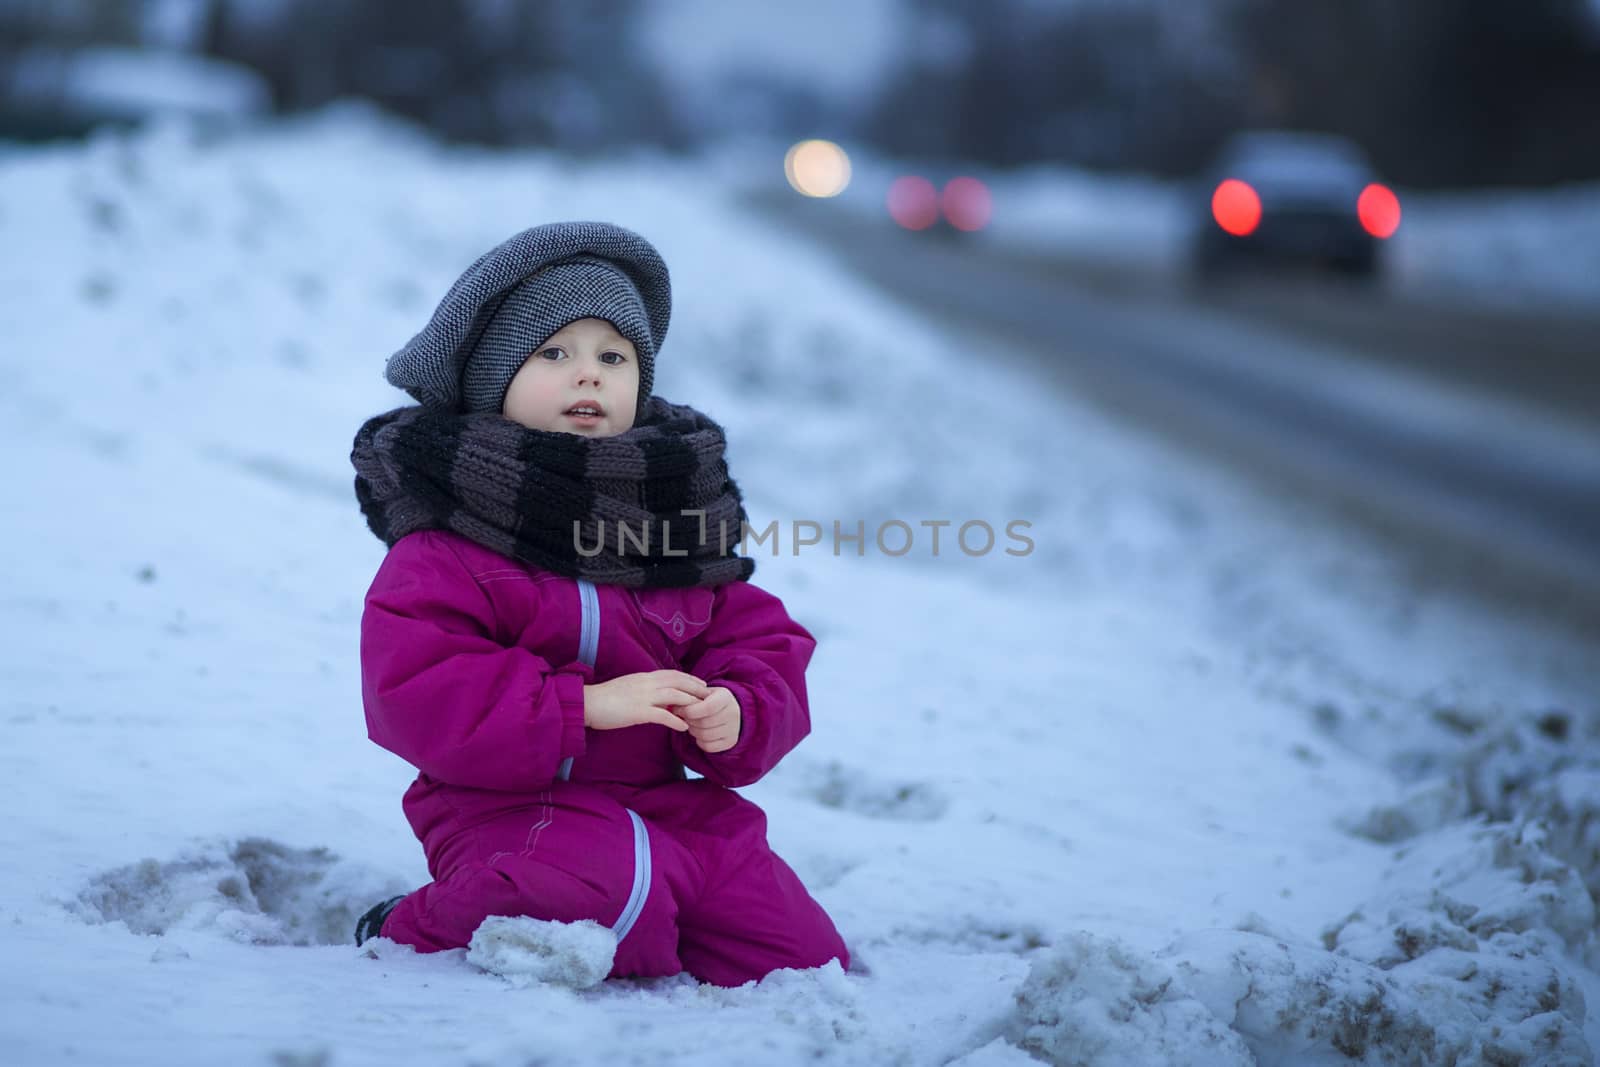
[{"x": 1195, "y": 776}]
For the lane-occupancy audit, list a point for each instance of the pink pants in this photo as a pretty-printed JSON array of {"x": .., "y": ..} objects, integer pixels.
[{"x": 687, "y": 880}]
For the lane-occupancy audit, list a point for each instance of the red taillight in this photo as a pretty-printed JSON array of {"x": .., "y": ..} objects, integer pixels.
[
  {"x": 967, "y": 204},
  {"x": 914, "y": 202},
  {"x": 1379, "y": 210},
  {"x": 1236, "y": 207}
]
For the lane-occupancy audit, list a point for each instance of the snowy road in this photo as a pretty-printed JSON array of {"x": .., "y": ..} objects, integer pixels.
[{"x": 1346, "y": 393}]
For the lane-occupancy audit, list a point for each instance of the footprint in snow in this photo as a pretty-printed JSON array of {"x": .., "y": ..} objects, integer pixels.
[
  {"x": 253, "y": 890},
  {"x": 834, "y": 785}
]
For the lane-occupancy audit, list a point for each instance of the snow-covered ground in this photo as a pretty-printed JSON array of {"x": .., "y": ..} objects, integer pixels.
[{"x": 1198, "y": 780}]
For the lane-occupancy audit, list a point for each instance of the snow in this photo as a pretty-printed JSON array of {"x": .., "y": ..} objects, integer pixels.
[
  {"x": 1091, "y": 1000},
  {"x": 1506, "y": 246},
  {"x": 527, "y": 951},
  {"x": 127, "y": 82},
  {"x": 1200, "y": 776}
]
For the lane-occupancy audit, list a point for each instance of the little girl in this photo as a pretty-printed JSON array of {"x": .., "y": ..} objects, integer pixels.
[{"x": 558, "y": 628}]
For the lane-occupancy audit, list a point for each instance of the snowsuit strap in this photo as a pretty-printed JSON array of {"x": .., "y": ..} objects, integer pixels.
[
  {"x": 588, "y": 648},
  {"x": 641, "y": 877},
  {"x": 588, "y": 641},
  {"x": 589, "y": 634}
]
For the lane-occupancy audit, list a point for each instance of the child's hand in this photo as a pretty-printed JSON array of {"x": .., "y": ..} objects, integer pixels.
[
  {"x": 640, "y": 698},
  {"x": 714, "y": 721}
]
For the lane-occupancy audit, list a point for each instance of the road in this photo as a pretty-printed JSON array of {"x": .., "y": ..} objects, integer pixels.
[{"x": 1470, "y": 438}]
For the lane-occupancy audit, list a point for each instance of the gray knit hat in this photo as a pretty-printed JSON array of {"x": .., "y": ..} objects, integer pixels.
[{"x": 519, "y": 293}]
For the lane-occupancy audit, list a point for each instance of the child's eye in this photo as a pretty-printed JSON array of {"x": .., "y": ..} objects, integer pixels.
[
  {"x": 553, "y": 353},
  {"x": 619, "y": 360}
]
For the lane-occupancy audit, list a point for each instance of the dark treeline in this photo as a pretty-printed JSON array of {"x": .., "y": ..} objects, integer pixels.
[
  {"x": 1443, "y": 92},
  {"x": 488, "y": 71},
  {"x": 498, "y": 73},
  {"x": 1440, "y": 92}
]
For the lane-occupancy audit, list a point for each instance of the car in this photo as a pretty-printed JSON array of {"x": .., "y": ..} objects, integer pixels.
[{"x": 1279, "y": 196}]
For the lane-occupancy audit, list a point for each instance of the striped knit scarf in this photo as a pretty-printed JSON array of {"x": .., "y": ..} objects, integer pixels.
[{"x": 617, "y": 510}]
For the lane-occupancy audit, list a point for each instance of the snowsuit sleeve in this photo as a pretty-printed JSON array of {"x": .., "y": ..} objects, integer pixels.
[
  {"x": 442, "y": 694},
  {"x": 756, "y": 651}
]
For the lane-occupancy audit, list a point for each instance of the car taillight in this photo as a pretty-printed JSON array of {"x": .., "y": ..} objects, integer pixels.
[
  {"x": 914, "y": 202},
  {"x": 1236, "y": 207},
  {"x": 1379, "y": 210},
  {"x": 966, "y": 204}
]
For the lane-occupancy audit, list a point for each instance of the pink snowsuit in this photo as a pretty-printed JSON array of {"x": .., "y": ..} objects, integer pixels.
[{"x": 473, "y": 667}]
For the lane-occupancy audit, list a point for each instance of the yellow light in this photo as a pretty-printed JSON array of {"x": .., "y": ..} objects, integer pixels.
[{"x": 817, "y": 168}]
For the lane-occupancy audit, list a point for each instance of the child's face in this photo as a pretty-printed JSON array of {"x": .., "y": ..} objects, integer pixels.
[{"x": 584, "y": 364}]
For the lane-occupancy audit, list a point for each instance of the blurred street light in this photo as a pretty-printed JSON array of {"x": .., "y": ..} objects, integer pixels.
[{"x": 817, "y": 168}]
